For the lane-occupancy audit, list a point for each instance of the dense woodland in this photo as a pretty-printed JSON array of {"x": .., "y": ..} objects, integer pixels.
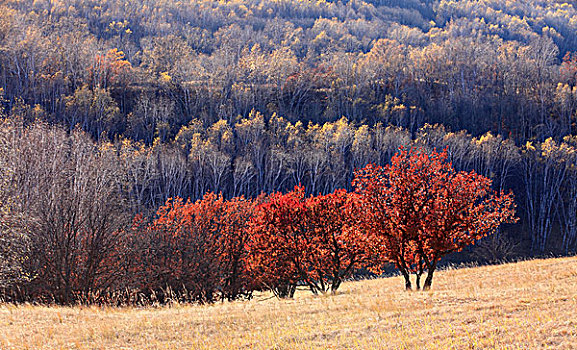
[{"x": 112, "y": 107}]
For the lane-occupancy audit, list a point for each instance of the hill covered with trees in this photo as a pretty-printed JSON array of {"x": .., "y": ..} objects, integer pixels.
[
  {"x": 112, "y": 107},
  {"x": 143, "y": 70}
]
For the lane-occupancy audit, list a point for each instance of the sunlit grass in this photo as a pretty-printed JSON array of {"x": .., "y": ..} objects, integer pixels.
[{"x": 527, "y": 305}]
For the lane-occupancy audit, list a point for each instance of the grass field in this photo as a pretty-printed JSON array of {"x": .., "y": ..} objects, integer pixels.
[{"x": 526, "y": 305}]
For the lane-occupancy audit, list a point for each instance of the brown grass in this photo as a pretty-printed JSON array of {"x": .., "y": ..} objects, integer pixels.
[{"x": 527, "y": 305}]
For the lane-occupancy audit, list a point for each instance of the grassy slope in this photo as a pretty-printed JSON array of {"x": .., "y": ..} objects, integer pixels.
[{"x": 527, "y": 305}]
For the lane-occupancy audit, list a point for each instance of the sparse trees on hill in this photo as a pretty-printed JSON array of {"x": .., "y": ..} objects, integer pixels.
[{"x": 481, "y": 66}]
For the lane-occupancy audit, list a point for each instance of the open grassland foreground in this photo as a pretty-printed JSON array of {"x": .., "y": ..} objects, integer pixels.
[{"x": 526, "y": 305}]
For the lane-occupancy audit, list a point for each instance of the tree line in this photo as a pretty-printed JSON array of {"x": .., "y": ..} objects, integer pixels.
[{"x": 70, "y": 240}]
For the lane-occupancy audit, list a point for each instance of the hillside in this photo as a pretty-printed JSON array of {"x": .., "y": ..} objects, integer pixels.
[
  {"x": 144, "y": 70},
  {"x": 181, "y": 98},
  {"x": 111, "y": 111},
  {"x": 526, "y": 305}
]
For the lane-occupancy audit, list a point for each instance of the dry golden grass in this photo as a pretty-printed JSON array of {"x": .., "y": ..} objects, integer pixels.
[{"x": 527, "y": 305}]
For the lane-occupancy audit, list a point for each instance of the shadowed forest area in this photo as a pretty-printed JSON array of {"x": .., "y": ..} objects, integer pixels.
[{"x": 110, "y": 108}]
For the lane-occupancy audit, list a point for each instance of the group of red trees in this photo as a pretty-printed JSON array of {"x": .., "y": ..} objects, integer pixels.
[
  {"x": 410, "y": 213},
  {"x": 196, "y": 250}
]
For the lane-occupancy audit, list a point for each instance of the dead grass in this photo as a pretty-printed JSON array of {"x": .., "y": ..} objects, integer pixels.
[{"x": 527, "y": 305}]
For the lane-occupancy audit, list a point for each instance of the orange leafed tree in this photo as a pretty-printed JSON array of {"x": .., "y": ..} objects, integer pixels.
[
  {"x": 195, "y": 249},
  {"x": 109, "y": 69},
  {"x": 310, "y": 240},
  {"x": 419, "y": 208}
]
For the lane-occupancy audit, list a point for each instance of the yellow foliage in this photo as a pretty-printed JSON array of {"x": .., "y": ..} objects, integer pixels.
[{"x": 165, "y": 77}]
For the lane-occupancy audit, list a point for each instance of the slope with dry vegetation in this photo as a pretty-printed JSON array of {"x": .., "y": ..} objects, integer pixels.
[{"x": 526, "y": 305}]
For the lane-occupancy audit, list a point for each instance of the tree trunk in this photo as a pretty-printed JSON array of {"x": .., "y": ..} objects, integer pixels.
[
  {"x": 407, "y": 277},
  {"x": 429, "y": 279},
  {"x": 293, "y": 288},
  {"x": 336, "y": 284}
]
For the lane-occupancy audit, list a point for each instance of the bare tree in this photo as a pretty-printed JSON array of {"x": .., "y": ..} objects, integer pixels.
[{"x": 69, "y": 189}]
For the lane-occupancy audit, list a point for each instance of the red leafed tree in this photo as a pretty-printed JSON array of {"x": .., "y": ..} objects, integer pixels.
[
  {"x": 568, "y": 68},
  {"x": 279, "y": 242},
  {"x": 310, "y": 240},
  {"x": 196, "y": 250},
  {"x": 179, "y": 253},
  {"x": 338, "y": 245},
  {"x": 231, "y": 247},
  {"x": 109, "y": 69},
  {"x": 419, "y": 209}
]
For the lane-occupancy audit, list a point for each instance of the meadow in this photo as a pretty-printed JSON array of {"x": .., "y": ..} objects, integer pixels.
[{"x": 524, "y": 305}]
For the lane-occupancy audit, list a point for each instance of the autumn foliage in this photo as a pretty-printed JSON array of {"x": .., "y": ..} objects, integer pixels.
[
  {"x": 109, "y": 69},
  {"x": 340, "y": 245},
  {"x": 418, "y": 209},
  {"x": 304, "y": 239},
  {"x": 194, "y": 250},
  {"x": 410, "y": 213}
]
